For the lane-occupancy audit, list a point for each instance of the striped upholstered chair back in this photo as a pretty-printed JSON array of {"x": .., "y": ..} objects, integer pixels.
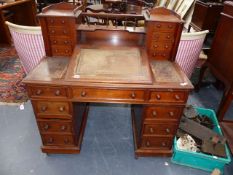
[
  {"x": 189, "y": 50},
  {"x": 29, "y": 44}
]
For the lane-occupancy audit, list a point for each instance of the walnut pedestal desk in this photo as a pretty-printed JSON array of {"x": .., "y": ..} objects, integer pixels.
[{"x": 110, "y": 64}]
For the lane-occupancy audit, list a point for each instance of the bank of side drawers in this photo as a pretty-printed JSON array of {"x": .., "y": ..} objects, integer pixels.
[{"x": 161, "y": 39}]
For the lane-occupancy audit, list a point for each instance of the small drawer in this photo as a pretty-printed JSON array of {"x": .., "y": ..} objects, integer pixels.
[
  {"x": 167, "y": 37},
  {"x": 53, "y": 139},
  {"x": 153, "y": 142},
  {"x": 160, "y": 129},
  {"x": 159, "y": 46},
  {"x": 163, "y": 27},
  {"x": 66, "y": 41},
  {"x": 55, "y": 126},
  {"x": 51, "y": 108},
  {"x": 59, "y": 31},
  {"x": 166, "y": 96},
  {"x": 108, "y": 94},
  {"x": 61, "y": 50},
  {"x": 159, "y": 55},
  {"x": 57, "y": 21},
  {"x": 163, "y": 112},
  {"x": 41, "y": 91}
]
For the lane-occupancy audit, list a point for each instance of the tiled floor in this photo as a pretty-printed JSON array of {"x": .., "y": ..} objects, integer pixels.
[{"x": 107, "y": 146}]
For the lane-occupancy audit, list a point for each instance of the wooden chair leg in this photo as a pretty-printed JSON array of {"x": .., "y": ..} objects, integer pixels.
[
  {"x": 225, "y": 103},
  {"x": 201, "y": 76}
]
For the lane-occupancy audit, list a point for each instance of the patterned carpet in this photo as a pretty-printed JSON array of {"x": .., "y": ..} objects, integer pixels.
[{"x": 12, "y": 90}]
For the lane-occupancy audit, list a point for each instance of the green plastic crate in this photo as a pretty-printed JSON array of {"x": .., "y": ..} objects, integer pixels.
[{"x": 199, "y": 160}]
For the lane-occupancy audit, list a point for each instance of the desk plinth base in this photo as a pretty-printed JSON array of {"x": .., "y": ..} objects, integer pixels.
[
  {"x": 59, "y": 150},
  {"x": 143, "y": 152}
]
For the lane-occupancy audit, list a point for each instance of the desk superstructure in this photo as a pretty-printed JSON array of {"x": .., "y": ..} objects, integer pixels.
[{"x": 108, "y": 64}]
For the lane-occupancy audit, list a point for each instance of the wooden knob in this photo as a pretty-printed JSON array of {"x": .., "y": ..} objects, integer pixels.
[
  {"x": 133, "y": 95},
  {"x": 171, "y": 114},
  {"x": 66, "y": 51},
  {"x": 46, "y": 126},
  {"x": 164, "y": 144},
  {"x": 167, "y": 130},
  {"x": 38, "y": 92},
  {"x": 154, "y": 54},
  {"x": 158, "y": 97},
  {"x": 163, "y": 54},
  {"x": 61, "y": 108},
  {"x": 63, "y": 127},
  {"x": 168, "y": 37},
  {"x": 155, "y": 46},
  {"x": 54, "y": 42},
  {"x": 66, "y": 141},
  {"x": 147, "y": 143},
  {"x": 63, "y": 21},
  {"x": 57, "y": 92},
  {"x": 154, "y": 113},
  {"x": 64, "y": 31},
  {"x": 83, "y": 93},
  {"x": 53, "y": 31},
  {"x": 50, "y": 140},
  {"x": 56, "y": 50},
  {"x": 51, "y": 21},
  {"x": 66, "y": 42},
  {"x": 177, "y": 97},
  {"x": 166, "y": 46},
  {"x": 43, "y": 108},
  {"x": 158, "y": 25},
  {"x": 151, "y": 130},
  {"x": 169, "y": 26}
]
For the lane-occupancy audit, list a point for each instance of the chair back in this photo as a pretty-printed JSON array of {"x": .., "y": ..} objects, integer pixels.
[
  {"x": 189, "y": 50},
  {"x": 29, "y": 44}
]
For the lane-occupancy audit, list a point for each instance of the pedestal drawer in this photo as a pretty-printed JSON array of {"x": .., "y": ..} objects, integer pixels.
[
  {"x": 168, "y": 96},
  {"x": 164, "y": 27},
  {"x": 163, "y": 112},
  {"x": 153, "y": 142},
  {"x": 168, "y": 129},
  {"x": 53, "y": 139},
  {"x": 60, "y": 126},
  {"x": 51, "y": 108}
]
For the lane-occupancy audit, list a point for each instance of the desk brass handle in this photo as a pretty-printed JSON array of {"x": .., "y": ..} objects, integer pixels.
[
  {"x": 50, "y": 140},
  {"x": 39, "y": 92},
  {"x": 177, "y": 97},
  {"x": 171, "y": 114},
  {"x": 164, "y": 144},
  {"x": 61, "y": 108},
  {"x": 151, "y": 130},
  {"x": 154, "y": 113},
  {"x": 46, "y": 127},
  {"x": 133, "y": 95},
  {"x": 57, "y": 92},
  {"x": 66, "y": 141},
  {"x": 63, "y": 127},
  {"x": 158, "y": 97},
  {"x": 147, "y": 143},
  {"x": 83, "y": 94},
  {"x": 44, "y": 108},
  {"x": 167, "y": 130}
]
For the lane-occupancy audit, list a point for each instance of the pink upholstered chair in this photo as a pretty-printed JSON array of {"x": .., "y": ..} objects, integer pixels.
[
  {"x": 189, "y": 50},
  {"x": 29, "y": 44}
]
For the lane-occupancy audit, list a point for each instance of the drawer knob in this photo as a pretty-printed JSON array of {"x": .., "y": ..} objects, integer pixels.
[
  {"x": 57, "y": 92},
  {"x": 155, "y": 46},
  {"x": 63, "y": 21},
  {"x": 63, "y": 127},
  {"x": 158, "y": 25},
  {"x": 39, "y": 92},
  {"x": 151, "y": 130},
  {"x": 66, "y": 42},
  {"x": 66, "y": 51},
  {"x": 64, "y": 31},
  {"x": 154, "y": 113},
  {"x": 163, "y": 54},
  {"x": 169, "y": 26},
  {"x": 166, "y": 46},
  {"x": 61, "y": 108},
  {"x": 164, "y": 144},
  {"x": 133, "y": 95},
  {"x": 171, "y": 114},
  {"x": 44, "y": 108},
  {"x": 168, "y": 37},
  {"x": 66, "y": 141},
  {"x": 53, "y": 31},
  {"x": 50, "y": 140},
  {"x": 147, "y": 143},
  {"x": 158, "y": 97},
  {"x": 177, "y": 97},
  {"x": 54, "y": 42},
  {"x": 51, "y": 21},
  {"x": 56, "y": 50},
  {"x": 46, "y": 127},
  {"x": 167, "y": 130},
  {"x": 83, "y": 94},
  {"x": 154, "y": 54}
]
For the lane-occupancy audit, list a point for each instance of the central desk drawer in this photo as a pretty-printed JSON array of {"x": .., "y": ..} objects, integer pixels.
[
  {"x": 42, "y": 91},
  {"x": 168, "y": 96},
  {"x": 51, "y": 108},
  {"x": 108, "y": 94}
]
